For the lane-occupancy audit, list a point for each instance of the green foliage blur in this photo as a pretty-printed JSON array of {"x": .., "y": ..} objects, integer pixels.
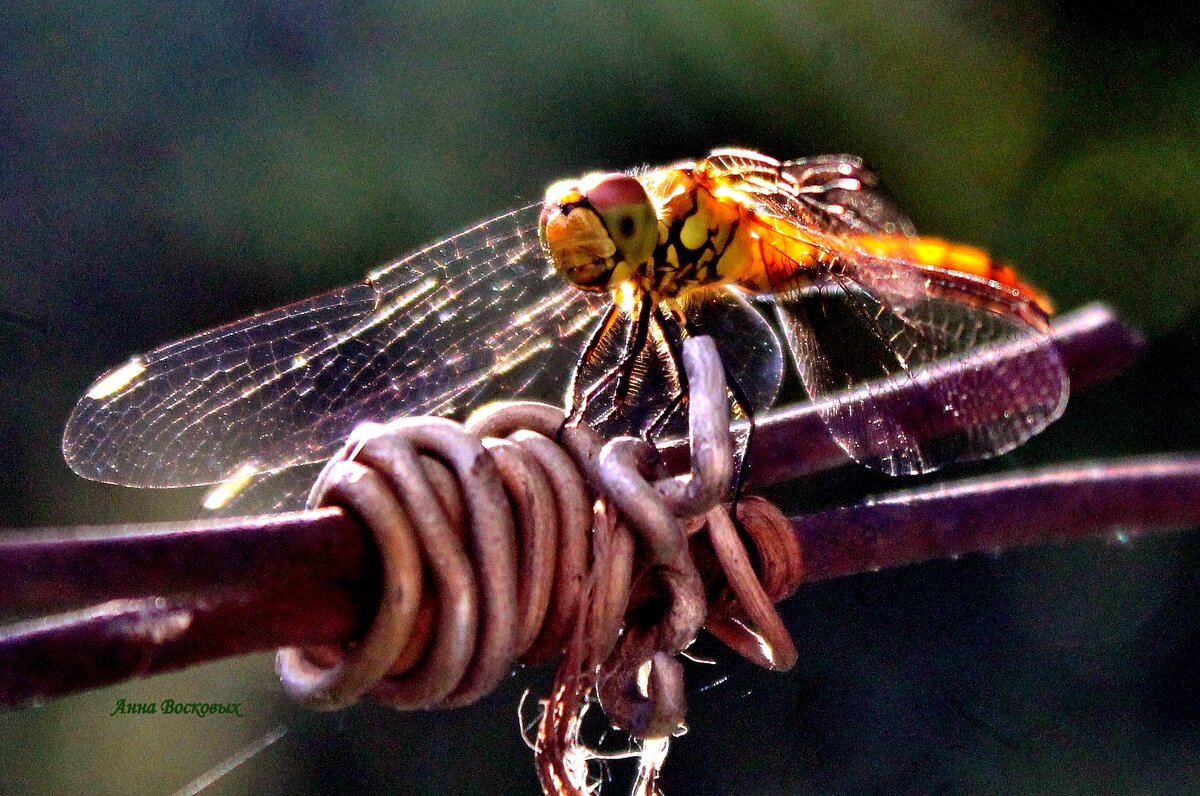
[{"x": 166, "y": 167}]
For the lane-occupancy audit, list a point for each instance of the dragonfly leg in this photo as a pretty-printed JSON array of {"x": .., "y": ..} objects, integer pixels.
[
  {"x": 637, "y": 343},
  {"x": 581, "y": 396},
  {"x": 662, "y": 418},
  {"x": 603, "y": 328},
  {"x": 675, "y": 347},
  {"x": 743, "y": 403}
]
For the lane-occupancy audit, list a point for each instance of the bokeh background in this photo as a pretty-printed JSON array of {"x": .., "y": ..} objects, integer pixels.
[{"x": 167, "y": 167}]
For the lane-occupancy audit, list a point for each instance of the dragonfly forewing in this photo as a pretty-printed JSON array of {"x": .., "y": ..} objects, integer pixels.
[{"x": 476, "y": 317}]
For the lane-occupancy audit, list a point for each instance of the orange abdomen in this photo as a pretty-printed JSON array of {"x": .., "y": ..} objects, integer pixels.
[{"x": 949, "y": 256}]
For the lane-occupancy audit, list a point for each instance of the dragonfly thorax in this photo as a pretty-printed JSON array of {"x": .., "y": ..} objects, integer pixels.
[{"x": 702, "y": 240}]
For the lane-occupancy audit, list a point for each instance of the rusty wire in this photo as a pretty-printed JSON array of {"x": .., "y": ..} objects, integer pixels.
[{"x": 513, "y": 538}]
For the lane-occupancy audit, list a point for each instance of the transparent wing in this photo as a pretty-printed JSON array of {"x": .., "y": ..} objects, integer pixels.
[
  {"x": 750, "y": 348},
  {"x": 856, "y": 320},
  {"x": 268, "y": 493},
  {"x": 830, "y": 195},
  {"x": 867, "y": 323},
  {"x": 476, "y": 317},
  {"x": 846, "y": 193}
]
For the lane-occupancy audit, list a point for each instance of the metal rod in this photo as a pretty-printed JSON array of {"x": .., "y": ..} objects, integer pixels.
[
  {"x": 300, "y": 603},
  {"x": 171, "y": 595},
  {"x": 1048, "y": 506}
]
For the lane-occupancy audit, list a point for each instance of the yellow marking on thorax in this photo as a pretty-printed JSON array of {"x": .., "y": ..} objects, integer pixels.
[
  {"x": 780, "y": 262},
  {"x": 701, "y": 238}
]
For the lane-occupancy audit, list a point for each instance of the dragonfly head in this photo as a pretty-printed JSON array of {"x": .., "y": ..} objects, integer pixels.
[{"x": 598, "y": 230}]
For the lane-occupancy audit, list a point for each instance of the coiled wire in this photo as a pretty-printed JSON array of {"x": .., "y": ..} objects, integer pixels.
[{"x": 517, "y": 538}]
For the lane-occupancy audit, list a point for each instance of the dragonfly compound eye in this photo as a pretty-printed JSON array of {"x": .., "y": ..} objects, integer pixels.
[
  {"x": 628, "y": 215},
  {"x": 597, "y": 230}
]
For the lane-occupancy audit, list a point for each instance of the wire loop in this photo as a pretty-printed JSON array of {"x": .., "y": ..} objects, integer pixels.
[{"x": 515, "y": 537}]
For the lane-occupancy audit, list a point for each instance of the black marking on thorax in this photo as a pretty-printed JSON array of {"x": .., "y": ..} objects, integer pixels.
[{"x": 667, "y": 276}]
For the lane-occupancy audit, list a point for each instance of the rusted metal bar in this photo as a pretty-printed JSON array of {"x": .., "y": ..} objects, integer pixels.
[
  {"x": 1050, "y": 506},
  {"x": 144, "y": 635},
  {"x": 172, "y": 595},
  {"x": 167, "y": 596}
]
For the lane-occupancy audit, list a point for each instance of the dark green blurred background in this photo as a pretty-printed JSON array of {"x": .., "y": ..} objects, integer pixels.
[{"x": 167, "y": 168}]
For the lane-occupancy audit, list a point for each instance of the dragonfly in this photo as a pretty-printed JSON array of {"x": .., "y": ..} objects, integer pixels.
[{"x": 585, "y": 298}]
